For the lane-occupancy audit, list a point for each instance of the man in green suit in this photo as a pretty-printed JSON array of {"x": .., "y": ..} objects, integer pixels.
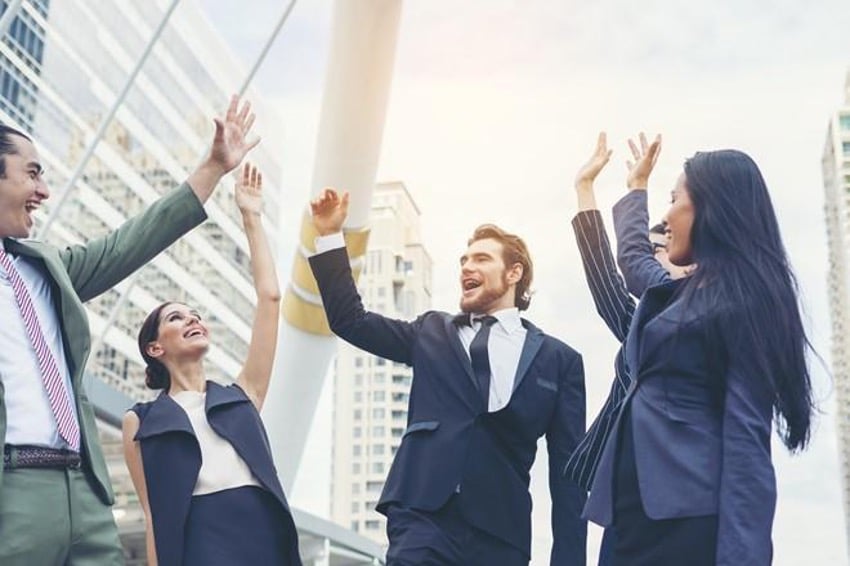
[{"x": 55, "y": 494}]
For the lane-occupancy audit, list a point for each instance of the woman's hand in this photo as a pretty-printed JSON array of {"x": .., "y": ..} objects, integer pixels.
[
  {"x": 588, "y": 172},
  {"x": 249, "y": 190},
  {"x": 644, "y": 161}
]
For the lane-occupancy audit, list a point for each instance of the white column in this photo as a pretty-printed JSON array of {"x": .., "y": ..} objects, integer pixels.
[{"x": 357, "y": 89}]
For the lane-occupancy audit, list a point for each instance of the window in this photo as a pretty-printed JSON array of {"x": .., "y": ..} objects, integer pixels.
[
  {"x": 845, "y": 148},
  {"x": 355, "y": 488},
  {"x": 356, "y": 432},
  {"x": 379, "y": 396},
  {"x": 358, "y": 396},
  {"x": 373, "y": 525},
  {"x": 355, "y": 526},
  {"x": 358, "y": 362},
  {"x": 355, "y": 506},
  {"x": 377, "y": 467},
  {"x": 355, "y": 468},
  {"x": 355, "y": 450},
  {"x": 397, "y": 432},
  {"x": 844, "y": 122},
  {"x": 377, "y": 449},
  {"x": 383, "y": 362},
  {"x": 378, "y": 431},
  {"x": 378, "y": 413},
  {"x": 374, "y": 486},
  {"x": 358, "y": 414},
  {"x": 379, "y": 378}
]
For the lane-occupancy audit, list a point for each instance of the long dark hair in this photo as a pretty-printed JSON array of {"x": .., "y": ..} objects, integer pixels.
[
  {"x": 743, "y": 271},
  {"x": 156, "y": 374}
]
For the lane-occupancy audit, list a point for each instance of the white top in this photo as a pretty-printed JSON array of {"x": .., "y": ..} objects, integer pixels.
[
  {"x": 221, "y": 467},
  {"x": 29, "y": 418},
  {"x": 504, "y": 346}
]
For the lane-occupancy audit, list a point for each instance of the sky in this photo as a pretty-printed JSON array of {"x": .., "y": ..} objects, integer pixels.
[{"x": 496, "y": 103}]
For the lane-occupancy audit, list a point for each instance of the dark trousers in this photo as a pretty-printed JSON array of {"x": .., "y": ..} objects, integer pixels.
[{"x": 444, "y": 538}]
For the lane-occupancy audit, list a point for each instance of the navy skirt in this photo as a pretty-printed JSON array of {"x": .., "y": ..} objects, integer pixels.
[
  {"x": 641, "y": 541},
  {"x": 244, "y": 525}
]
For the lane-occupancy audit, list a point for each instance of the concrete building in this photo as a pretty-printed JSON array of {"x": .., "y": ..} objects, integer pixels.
[
  {"x": 370, "y": 393},
  {"x": 119, "y": 97},
  {"x": 836, "y": 178}
]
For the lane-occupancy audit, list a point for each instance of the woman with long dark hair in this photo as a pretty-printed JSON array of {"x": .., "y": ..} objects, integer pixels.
[
  {"x": 198, "y": 455},
  {"x": 715, "y": 358}
]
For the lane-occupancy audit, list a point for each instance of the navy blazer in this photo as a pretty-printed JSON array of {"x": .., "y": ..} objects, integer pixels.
[
  {"x": 701, "y": 422},
  {"x": 616, "y": 307},
  {"x": 452, "y": 444},
  {"x": 171, "y": 458}
]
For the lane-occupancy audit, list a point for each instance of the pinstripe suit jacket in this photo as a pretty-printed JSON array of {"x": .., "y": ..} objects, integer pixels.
[{"x": 616, "y": 307}]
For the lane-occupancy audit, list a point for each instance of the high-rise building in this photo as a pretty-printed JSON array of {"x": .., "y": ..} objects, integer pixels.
[
  {"x": 65, "y": 71},
  {"x": 371, "y": 393},
  {"x": 836, "y": 178}
]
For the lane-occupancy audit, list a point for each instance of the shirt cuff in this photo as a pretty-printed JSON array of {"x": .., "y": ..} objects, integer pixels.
[{"x": 329, "y": 242}]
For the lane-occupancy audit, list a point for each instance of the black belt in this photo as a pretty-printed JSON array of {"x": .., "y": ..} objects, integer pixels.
[{"x": 40, "y": 457}]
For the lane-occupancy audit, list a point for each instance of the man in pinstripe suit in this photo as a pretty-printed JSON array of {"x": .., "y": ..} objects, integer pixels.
[{"x": 616, "y": 306}]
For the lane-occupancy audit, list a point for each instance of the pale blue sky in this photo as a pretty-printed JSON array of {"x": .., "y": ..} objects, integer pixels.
[{"x": 496, "y": 103}]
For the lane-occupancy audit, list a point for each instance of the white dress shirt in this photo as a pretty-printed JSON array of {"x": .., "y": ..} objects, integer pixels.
[
  {"x": 504, "y": 346},
  {"x": 29, "y": 418}
]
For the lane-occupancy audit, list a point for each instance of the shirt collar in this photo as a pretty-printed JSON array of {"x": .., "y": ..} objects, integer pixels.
[{"x": 508, "y": 318}]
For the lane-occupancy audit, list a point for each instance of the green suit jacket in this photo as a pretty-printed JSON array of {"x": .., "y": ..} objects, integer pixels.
[{"x": 80, "y": 273}]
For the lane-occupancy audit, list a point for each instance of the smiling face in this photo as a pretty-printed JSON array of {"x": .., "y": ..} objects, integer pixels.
[
  {"x": 181, "y": 335},
  {"x": 22, "y": 188},
  {"x": 487, "y": 285},
  {"x": 680, "y": 221}
]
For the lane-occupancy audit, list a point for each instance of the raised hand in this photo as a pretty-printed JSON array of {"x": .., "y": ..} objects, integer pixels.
[
  {"x": 644, "y": 161},
  {"x": 329, "y": 210},
  {"x": 588, "y": 172},
  {"x": 230, "y": 145},
  {"x": 249, "y": 190}
]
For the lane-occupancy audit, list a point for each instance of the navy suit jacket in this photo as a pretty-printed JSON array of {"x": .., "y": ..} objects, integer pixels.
[
  {"x": 701, "y": 421},
  {"x": 452, "y": 445},
  {"x": 171, "y": 458},
  {"x": 616, "y": 307}
]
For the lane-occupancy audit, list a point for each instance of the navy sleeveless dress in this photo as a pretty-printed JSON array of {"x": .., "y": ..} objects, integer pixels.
[{"x": 243, "y": 525}]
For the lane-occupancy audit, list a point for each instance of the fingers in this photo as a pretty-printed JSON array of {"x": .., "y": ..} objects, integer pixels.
[
  {"x": 243, "y": 113},
  {"x": 249, "y": 123},
  {"x": 634, "y": 150},
  {"x": 231, "y": 108}
]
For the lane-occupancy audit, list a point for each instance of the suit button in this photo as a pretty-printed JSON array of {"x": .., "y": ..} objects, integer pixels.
[{"x": 457, "y": 489}]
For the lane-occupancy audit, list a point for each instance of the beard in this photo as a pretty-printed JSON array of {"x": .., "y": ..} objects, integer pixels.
[{"x": 481, "y": 302}]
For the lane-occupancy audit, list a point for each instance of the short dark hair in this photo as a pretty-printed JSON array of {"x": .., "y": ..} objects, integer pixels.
[
  {"x": 156, "y": 374},
  {"x": 7, "y": 146},
  {"x": 514, "y": 251}
]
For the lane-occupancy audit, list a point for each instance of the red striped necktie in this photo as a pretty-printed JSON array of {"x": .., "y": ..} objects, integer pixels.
[{"x": 57, "y": 393}]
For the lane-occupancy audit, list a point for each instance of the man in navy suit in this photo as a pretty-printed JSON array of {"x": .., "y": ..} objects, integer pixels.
[{"x": 486, "y": 385}]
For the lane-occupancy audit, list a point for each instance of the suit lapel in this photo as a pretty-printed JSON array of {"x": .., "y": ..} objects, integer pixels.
[
  {"x": 165, "y": 415},
  {"x": 457, "y": 348},
  {"x": 533, "y": 341},
  {"x": 640, "y": 342}
]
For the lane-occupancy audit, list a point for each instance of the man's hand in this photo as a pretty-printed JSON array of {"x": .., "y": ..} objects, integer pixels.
[
  {"x": 644, "y": 162},
  {"x": 228, "y": 149},
  {"x": 329, "y": 211},
  {"x": 588, "y": 172},
  {"x": 229, "y": 145}
]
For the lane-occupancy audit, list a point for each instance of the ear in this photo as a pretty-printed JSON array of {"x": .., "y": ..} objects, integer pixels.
[
  {"x": 154, "y": 349},
  {"x": 515, "y": 273}
]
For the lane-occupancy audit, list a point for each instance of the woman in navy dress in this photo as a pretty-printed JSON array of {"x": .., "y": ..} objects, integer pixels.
[
  {"x": 198, "y": 455},
  {"x": 686, "y": 476}
]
